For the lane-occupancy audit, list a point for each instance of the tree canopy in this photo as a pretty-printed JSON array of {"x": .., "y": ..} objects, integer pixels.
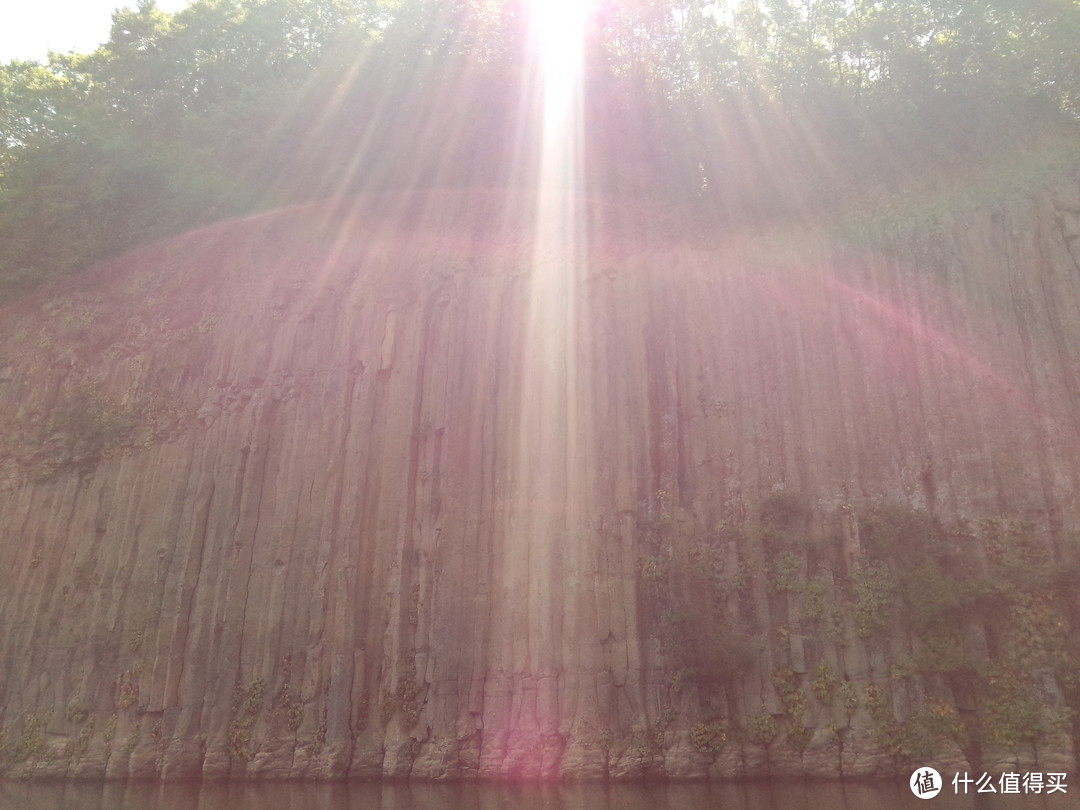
[{"x": 232, "y": 105}]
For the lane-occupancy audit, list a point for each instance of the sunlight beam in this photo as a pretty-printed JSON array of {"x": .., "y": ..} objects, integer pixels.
[{"x": 551, "y": 481}]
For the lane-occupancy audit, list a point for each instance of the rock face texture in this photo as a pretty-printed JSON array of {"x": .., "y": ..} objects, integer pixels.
[{"x": 389, "y": 489}]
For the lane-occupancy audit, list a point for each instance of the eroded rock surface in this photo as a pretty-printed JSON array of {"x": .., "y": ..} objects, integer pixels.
[{"x": 362, "y": 491}]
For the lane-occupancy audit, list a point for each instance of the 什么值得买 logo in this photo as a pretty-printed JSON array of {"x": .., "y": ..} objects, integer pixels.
[{"x": 925, "y": 783}]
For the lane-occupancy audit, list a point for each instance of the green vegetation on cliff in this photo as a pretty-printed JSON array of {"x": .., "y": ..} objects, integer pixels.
[
  {"x": 231, "y": 106},
  {"x": 961, "y": 635}
]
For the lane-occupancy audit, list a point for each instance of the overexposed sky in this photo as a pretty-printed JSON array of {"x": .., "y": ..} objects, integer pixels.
[{"x": 32, "y": 28}]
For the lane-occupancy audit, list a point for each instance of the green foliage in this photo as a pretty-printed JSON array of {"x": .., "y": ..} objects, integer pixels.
[
  {"x": 1038, "y": 629},
  {"x": 405, "y": 700},
  {"x": 937, "y": 583},
  {"x": 793, "y": 700},
  {"x": 232, "y": 105},
  {"x": 930, "y": 594},
  {"x": 874, "y": 588},
  {"x": 1016, "y": 553},
  {"x": 784, "y": 573},
  {"x": 253, "y": 698},
  {"x": 943, "y": 651},
  {"x": 849, "y": 698},
  {"x": 872, "y": 51},
  {"x": 409, "y": 700},
  {"x": 127, "y": 689},
  {"x": 876, "y": 702},
  {"x": 684, "y": 584},
  {"x": 799, "y": 736},
  {"x": 942, "y": 721},
  {"x": 653, "y": 569},
  {"x": 154, "y": 131},
  {"x": 914, "y": 737},
  {"x": 915, "y": 578},
  {"x": 75, "y": 749},
  {"x": 239, "y": 738},
  {"x": 934, "y": 581},
  {"x": 74, "y": 713},
  {"x": 816, "y": 602},
  {"x": 762, "y": 730},
  {"x": 289, "y": 708},
  {"x": 247, "y": 703},
  {"x": 708, "y": 738},
  {"x": 1002, "y": 582},
  {"x": 824, "y": 683},
  {"x": 791, "y": 696},
  {"x": 132, "y": 741},
  {"x": 896, "y": 738},
  {"x": 31, "y": 743},
  {"x": 711, "y": 569},
  {"x": 1010, "y": 716}
]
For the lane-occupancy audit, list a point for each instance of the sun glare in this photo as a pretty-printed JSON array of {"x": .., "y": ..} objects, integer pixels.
[{"x": 558, "y": 32}]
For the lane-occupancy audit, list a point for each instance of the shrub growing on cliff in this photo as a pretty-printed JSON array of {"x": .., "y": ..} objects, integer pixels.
[
  {"x": 74, "y": 713},
  {"x": 30, "y": 742},
  {"x": 762, "y": 730},
  {"x": 1009, "y": 714},
  {"x": 784, "y": 573},
  {"x": 874, "y": 588},
  {"x": 915, "y": 571},
  {"x": 824, "y": 683},
  {"x": 683, "y": 589},
  {"x": 708, "y": 738}
]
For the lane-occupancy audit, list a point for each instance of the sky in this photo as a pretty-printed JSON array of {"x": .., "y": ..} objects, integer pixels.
[{"x": 34, "y": 27}]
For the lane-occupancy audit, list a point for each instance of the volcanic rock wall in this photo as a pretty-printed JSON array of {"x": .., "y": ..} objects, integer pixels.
[{"x": 387, "y": 490}]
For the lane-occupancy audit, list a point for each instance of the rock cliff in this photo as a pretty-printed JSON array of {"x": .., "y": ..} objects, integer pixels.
[{"x": 386, "y": 489}]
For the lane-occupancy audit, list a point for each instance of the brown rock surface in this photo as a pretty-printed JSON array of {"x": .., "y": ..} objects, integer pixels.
[{"x": 385, "y": 489}]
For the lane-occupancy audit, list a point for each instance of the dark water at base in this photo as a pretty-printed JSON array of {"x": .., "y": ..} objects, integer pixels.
[{"x": 411, "y": 796}]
